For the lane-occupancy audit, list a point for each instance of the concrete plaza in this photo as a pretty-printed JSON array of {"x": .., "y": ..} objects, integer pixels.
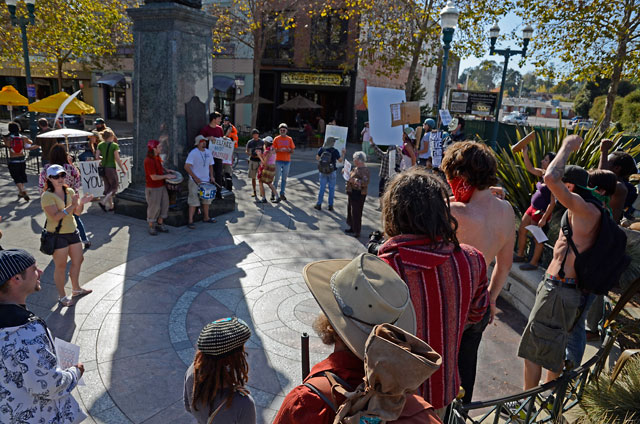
[{"x": 153, "y": 295}]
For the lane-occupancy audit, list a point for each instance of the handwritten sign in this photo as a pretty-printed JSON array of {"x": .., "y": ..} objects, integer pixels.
[
  {"x": 68, "y": 355},
  {"x": 346, "y": 171},
  {"x": 93, "y": 184},
  {"x": 435, "y": 145},
  {"x": 222, "y": 148},
  {"x": 445, "y": 116}
]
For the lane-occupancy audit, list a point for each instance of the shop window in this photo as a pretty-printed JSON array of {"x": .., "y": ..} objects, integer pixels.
[
  {"x": 329, "y": 39},
  {"x": 279, "y": 41}
]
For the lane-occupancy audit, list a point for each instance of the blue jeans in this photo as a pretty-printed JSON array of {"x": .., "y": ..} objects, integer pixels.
[
  {"x": 324, "y": 180},
  {"x": 577, "y": 339},
  {"x": 83, "y": 234},
  {"x": 282, "y": 168}
]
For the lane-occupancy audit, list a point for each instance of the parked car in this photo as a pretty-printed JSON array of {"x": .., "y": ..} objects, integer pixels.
[
  {"x": 515, "y": 118},
  {"x": 70, "y": 121},
  {"x": 579, "y": 122},
  {"x": 584, "y": 125}
]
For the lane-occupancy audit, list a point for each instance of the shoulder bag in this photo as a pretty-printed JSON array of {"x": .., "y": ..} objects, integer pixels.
[
  {"x": 47, "y": 239},
  {"x": 101, "y": 171}
]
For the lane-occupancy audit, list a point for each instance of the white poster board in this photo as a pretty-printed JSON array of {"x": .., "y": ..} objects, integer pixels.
[
  {"x": 538, "y": 233},
  {"x": 392, "y": 163},
  {"x": 445, "y": 116},
  {"x": 346, "y": 171},
  {"x": 380, "y": 101},
  {"x": 222, "y": 148},
  {"x": 340, "y": 133},
  {"x": 93, "y": 184}
]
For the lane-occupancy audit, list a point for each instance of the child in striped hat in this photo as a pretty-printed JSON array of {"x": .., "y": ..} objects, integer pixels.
[{"x": 214, "y": 385}]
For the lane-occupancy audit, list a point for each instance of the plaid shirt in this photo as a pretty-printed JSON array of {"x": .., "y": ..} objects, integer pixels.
[{"x": 384, "y": 157}]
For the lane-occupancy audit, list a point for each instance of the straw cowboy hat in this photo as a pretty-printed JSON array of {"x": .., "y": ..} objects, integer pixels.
[{"x": 359, "y": 294}]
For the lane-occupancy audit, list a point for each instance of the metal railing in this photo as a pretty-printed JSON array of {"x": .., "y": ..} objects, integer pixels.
[{"x": 33, "y": 158}]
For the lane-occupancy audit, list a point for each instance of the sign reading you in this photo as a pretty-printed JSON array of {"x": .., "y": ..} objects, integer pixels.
[
  {"x": 306, "y": 78},
  {"x": 91, "y": 181}
]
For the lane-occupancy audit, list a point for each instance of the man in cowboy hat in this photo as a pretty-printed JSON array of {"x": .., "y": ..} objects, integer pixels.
[{"x": 355, "y": 296}]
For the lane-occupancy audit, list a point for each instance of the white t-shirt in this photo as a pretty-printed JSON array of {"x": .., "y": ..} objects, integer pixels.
[
  {"x": 366, "y": 135},
  {"x": 200, "y": 162},
  {"x": 425, "y": 143}
]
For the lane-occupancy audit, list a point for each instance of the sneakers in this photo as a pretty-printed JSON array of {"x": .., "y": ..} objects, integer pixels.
[
  {"x": 153, "y": 231},
  {"x": 278, "y": 199},
  {"x": 517, "y": 258},
  {"x": 317, "y": 207},
  {"x": 264, "y": 200},
  {"x": 23, "y": 195},
  {"x": 283, "y": 197},
  {"x": 330, "y": 208},
  {"x": 161, "y": 228},
  {"x": 273, "y": 197}
]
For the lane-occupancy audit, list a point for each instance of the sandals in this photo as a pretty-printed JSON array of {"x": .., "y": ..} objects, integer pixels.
[
  {"x": 66, "y": 301},
  {"x": 80, "y": 293}
]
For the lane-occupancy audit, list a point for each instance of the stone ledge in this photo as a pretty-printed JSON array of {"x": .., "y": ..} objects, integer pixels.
[{"x": 520, "y": 288}]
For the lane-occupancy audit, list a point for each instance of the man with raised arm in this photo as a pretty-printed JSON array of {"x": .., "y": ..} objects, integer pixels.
[{"x": 559, "y": 302}]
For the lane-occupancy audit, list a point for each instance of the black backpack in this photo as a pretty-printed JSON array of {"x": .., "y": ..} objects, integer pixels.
[
  {"x": 599, "y": 267},
  {"x": 326, "y": 164}
]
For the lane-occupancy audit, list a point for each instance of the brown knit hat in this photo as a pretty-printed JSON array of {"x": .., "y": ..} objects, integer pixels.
[{"x": 223, "y": 337}]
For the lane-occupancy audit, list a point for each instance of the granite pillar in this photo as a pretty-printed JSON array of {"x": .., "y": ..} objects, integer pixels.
[{"x": 172, "y": 64}]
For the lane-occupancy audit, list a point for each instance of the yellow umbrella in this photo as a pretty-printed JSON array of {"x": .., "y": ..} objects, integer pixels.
[
  {"x": 9, "y": 96},
  {"x": 51, "y": 104}
]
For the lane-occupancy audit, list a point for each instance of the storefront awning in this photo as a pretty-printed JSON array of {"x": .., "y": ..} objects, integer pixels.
[
  {"x": 223, "y": 83},
  {"x": 111, "y": 79}
]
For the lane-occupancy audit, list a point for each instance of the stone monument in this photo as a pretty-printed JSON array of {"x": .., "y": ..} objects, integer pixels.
[{"x": 172, "y": 64}]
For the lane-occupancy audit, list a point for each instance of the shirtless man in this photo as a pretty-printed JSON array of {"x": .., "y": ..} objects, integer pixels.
[
  {"x": 484, "y": 222},
  {"x": 559, "y": 302}
]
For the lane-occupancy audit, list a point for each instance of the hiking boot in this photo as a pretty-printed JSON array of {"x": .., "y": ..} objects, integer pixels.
[
  {"x": 318, "y": 207},
  {"x": 153, "y": 231},
  {"x": 330, "y": 208}
]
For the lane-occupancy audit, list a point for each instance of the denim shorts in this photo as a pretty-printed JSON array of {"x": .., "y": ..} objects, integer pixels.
[{"x": 554, "y": 314}]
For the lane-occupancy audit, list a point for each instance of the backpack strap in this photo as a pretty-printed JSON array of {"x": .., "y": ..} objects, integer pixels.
[
  {"x": 568, "y": 234},
  {"x": 326, "y": 383},
  {"x": 57, "y": 230}
]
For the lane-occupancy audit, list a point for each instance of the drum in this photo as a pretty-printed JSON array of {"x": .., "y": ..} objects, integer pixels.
[
  {"x": 174, "y": 183},
  {"x": 207, "y": 191}
]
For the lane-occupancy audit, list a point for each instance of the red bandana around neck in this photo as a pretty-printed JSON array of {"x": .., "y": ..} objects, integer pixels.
[{"x": 462, "y": 191}]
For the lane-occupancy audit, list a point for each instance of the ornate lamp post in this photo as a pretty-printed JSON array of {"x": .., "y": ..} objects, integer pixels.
[
  {"x": 448, "y": 23},
  {"x": 527, "y": 32},
  {"x": 22, "y": 23}
]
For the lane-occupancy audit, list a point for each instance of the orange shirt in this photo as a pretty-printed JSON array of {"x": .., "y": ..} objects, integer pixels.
[{"x": 281, "y": 142}]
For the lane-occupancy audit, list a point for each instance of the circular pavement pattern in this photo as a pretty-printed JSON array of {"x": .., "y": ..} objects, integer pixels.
[{"x": 143, "y": 319}]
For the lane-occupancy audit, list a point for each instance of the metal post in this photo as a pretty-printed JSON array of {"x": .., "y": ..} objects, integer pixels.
[
  {"x": 304, "y": 341},
  {"x": 447, "y": 36},
  {"x": 496, "y": 122}
]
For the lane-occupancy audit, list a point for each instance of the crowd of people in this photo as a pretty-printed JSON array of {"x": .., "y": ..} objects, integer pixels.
[{"x": 427, "y": 295}]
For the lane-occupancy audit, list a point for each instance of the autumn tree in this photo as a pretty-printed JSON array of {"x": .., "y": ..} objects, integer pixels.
[
  {"x": 253, "y": 23},
  {"x": 69, "y": 34},
  {"x": 395, "y": 33},
  {"x": 587, "y": 39}
]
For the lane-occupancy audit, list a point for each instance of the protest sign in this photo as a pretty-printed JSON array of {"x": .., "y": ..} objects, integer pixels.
[
  {"x": 346, "y": 171},
  {"x": 435, "y": 145},
  {"x": 68, "y": 355},
  {"x": 445, "y": 117},
  {"x": 538, "y": 233},
  {"x": 222, "y": 148},
  {"x": 93, "y": 184},
  {"x": 392, "y": 162},
  {"x": 340, "y": 134},
  {"x": 405, "y": 113},
  {"x": 380, "y": 129}
]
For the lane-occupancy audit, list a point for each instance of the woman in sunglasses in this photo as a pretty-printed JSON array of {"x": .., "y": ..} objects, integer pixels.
[{"x": 60, "y": 203}]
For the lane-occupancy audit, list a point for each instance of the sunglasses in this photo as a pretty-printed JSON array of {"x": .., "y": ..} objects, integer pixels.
[
  {"x": 282, "y": 129},
  {"x": 57, "y": 177}
]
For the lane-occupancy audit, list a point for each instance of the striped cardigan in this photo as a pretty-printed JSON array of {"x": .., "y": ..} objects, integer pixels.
[{"x": 448, "y": 290}]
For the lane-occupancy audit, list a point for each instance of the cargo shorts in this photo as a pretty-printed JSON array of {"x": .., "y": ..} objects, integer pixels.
[{"x": 554, "y": 314}]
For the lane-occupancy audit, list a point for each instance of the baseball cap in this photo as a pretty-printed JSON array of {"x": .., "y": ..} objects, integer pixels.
[
  {"x": 99, "y": 121},
  {"x": 255, "y": 131},
  {"x": 268, "y": 139},
  {"x": 576, "y": 175},
  {"x": 283, "y": 125},
  {"x": 199, "y": 138},
  {"x": 54, "y": 170},
  {"x": 152, "y": 144},
  {"x": 14, "y": 262},
  {"x": 430, "y": 122}
]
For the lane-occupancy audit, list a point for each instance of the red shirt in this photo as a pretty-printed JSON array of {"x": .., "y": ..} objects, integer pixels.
[
  {"x": 304, "y": 406},
  {"x": 448, "y": 290},
  {"x": 153, "y": 167},
  {"x": 209, "y": 131}
]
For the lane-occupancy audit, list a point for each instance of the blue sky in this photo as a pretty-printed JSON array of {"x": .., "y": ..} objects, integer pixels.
[{"x": 510, "y": 24}]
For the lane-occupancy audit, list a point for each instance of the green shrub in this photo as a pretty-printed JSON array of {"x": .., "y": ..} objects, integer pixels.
[{"x": 597, "y": 109}]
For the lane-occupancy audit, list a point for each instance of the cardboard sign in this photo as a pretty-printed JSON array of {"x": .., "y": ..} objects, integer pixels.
[
  {"x": 522, "y": 143},
  {"x": 379, "y": 101},
  {"x": 222, "y": 148},
  {"x": 405, "y": 113},
  {"x": 92, "y": 182},
  {"x": 339, "y": 133}
]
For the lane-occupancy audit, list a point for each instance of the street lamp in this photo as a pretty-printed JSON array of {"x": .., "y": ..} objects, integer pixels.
[
  {"x": 448, "y": 23},
  {"x": 527, "y": 33},
  {"x": 22, "y": 23}
]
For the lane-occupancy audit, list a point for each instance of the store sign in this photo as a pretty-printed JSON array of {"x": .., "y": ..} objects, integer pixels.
[
  {"x": 473, "y": 102},
  {"x": 304, "y": 78}
]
